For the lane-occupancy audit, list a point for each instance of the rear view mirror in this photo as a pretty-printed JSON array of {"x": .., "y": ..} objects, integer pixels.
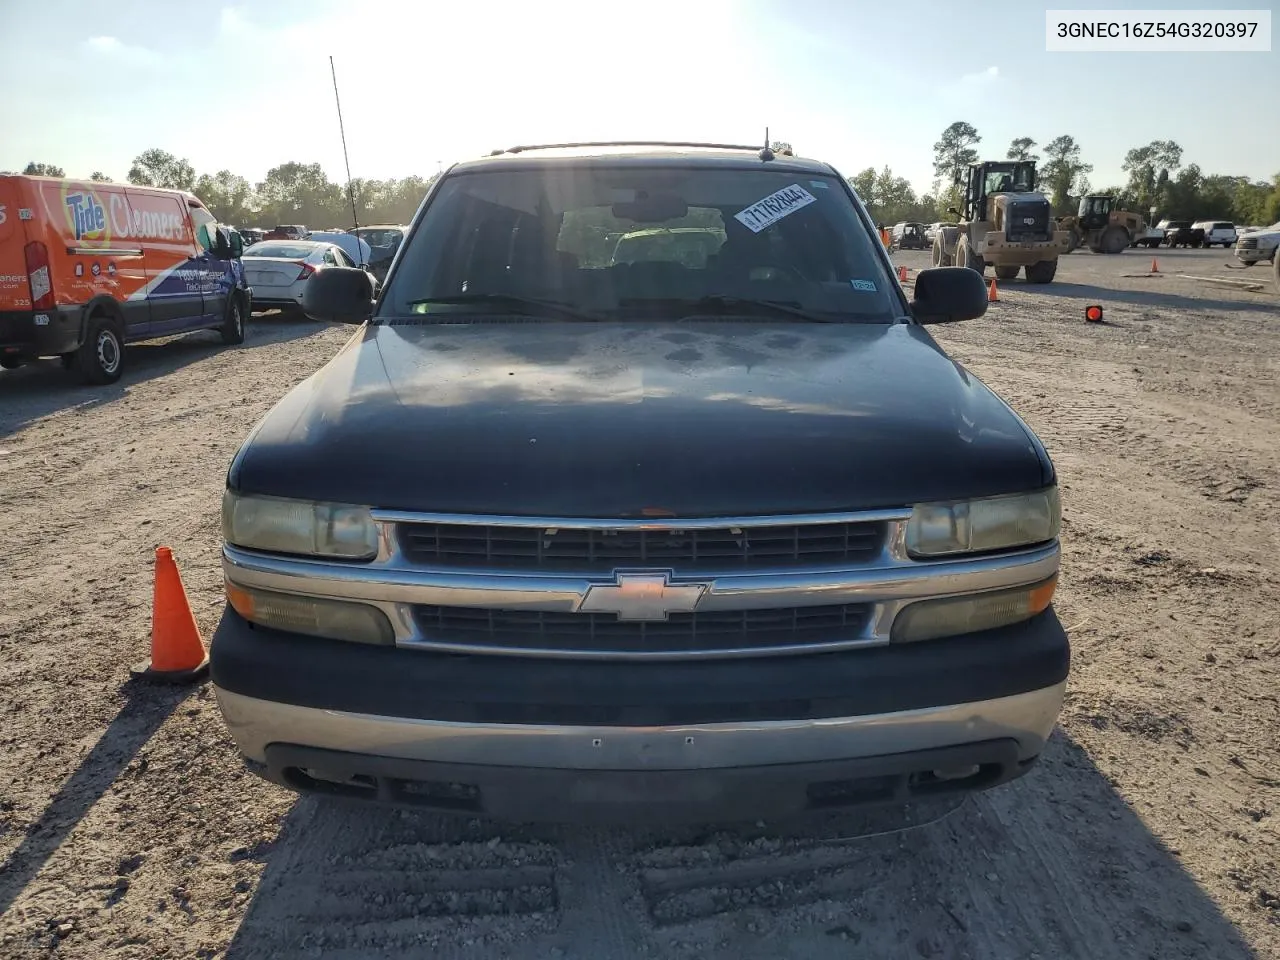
[
  {"x": 953, "y": 211},
  {"x": 339, "y": 295},
  {"x": 655, "y": 208},
  {"x": 948, "y": 295}
]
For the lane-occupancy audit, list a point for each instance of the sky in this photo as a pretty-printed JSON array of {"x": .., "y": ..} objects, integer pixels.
[{"x": 850, "y": 82}]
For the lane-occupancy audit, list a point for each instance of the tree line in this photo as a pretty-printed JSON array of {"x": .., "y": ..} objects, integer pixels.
[
  {"x": 290, "y": 193},
  {"x": 1157, "y": 177}
]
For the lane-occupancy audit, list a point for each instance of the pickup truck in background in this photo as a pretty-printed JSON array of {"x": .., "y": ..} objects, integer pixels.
[
  {"x": 1148, "y": 236},
  {"x": 1182, "y": 233},
  {"x": 1258, "y": 246}
]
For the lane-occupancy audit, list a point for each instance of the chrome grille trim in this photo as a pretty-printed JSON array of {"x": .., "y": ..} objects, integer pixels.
[
  {"x": 657, "y": 523},
  {"x": 886, "y": 584},
  {"x": 753, "y": 547},
  {"x": 736, "y": 633}
]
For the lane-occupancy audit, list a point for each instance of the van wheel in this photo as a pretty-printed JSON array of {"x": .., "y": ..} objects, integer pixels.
[
  {"x": 100, "y": 358},
  {"x": 232, "y": 329},
  {"x": 1007, "y": 271}
]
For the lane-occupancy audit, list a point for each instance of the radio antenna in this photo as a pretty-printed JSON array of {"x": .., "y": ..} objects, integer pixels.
[{"x": 351, "y": 193}]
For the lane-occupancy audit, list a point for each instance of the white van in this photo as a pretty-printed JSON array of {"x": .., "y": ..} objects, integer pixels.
[{"x": 1217, "y": 232}]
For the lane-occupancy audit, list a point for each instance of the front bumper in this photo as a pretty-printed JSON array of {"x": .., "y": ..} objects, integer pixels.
[
  {"x": 1254, "y": 255},
  {"x": 519, "y": 738}
]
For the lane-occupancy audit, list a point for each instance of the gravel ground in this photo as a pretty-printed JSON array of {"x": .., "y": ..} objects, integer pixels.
[{"x": 128, "y": 830}]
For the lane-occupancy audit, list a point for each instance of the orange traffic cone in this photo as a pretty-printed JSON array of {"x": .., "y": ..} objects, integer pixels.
[
  {"x": 992, "y": 295},
  {"x": 902, "y": 274},
  {"x": 1155, "y": 267},
  {"x": 177, "y": 654}
]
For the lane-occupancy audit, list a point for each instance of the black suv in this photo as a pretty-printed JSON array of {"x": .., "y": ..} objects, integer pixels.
[
  {"x": 642, "y": 490},
  {"x": 1180, "y": 233}
]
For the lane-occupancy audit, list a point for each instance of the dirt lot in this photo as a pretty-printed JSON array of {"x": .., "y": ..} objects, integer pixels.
[{"x": 1151, "y": 829}]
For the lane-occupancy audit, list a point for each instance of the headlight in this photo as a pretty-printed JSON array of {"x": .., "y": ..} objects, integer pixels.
[
  {"x": 298, "y": 526},
  {"x": 950, "y": 616},
  {"x": 992, "y": 523},
  {"x": 316, "y": 617}
]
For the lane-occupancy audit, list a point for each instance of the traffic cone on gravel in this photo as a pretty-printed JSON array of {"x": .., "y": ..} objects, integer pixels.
[
  {"x": 177, "y": 653},
  {"x": 992, "y": 295},
  {"x": 1155, "y": 267},
  {"x": 902, "y": 274}
]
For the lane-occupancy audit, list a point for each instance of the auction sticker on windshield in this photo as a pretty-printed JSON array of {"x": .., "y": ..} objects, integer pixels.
[{"x": 774, "y": 207}]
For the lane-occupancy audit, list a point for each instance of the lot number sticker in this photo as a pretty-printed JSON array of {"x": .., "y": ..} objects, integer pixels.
[{"x": 774, "y": 207}]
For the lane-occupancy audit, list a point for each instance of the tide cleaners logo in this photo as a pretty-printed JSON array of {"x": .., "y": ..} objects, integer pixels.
[{"x": 86, "y": 216}]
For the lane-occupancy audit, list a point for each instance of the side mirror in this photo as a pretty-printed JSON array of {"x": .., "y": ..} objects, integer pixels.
[
  {"x": 221, "y": 244},
  {"x": 948, "y": 295},
  {"x": 237, "y": 246},
  {"x": 339, "y": 295}
]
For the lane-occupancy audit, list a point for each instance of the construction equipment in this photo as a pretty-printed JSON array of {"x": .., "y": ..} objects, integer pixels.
[
  {"x": 1006, "y": 222},
  {"x": 1100, "y": 226}
]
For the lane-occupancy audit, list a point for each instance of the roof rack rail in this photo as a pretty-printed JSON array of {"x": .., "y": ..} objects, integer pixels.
[{"x": 626, "y": 143}]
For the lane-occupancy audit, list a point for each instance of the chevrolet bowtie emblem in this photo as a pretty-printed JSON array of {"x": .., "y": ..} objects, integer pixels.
[{"x": 642, "y": 596}]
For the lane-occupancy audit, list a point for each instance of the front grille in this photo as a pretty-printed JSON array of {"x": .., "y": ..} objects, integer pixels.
[
  {"x": 591, "y": 550},
  {"x": 604, "y": 634},
  {"x": 1037, "y": 211},
  {"x": 1247, "y": 243}
]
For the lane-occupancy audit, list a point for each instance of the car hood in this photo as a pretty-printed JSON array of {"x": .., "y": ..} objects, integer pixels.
[{"x": 620, "y": 420}]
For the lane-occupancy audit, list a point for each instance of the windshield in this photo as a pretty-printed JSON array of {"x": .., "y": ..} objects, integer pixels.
[
  {"x": 1012, "y": 179},
  {"x": 380, "y": 238},
  {"x": 276, "y": 248},
  {"x": 643, "y": 242}
]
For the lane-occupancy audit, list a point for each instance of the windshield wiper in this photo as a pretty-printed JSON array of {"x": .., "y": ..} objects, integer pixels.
[
  {"x": 724, "y": 304},
  {"x": 525, "y": 306}
]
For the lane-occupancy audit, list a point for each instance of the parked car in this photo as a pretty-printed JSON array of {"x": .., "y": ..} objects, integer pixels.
[
  {"x": 385, "y": 240},
  {"x": 294, "y": 231},
  {"x": 279, "y": 270},
  {"x": 908, "y": 236},
  {"x": 354, "y": 247},
  {"x": 1181, "y": 233},
  {"x": 1258, "y": 245},
  {"x": 88, "y": 267},
  {"x": 931, "y": 230},
  {"x": 252, "y": 235},
  {"x": 553, "y": 534},
  {"x": 1217, "y": 232}
]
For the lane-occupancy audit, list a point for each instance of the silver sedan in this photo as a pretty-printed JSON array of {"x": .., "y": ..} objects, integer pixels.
[{"x": 278, "y": 270}]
